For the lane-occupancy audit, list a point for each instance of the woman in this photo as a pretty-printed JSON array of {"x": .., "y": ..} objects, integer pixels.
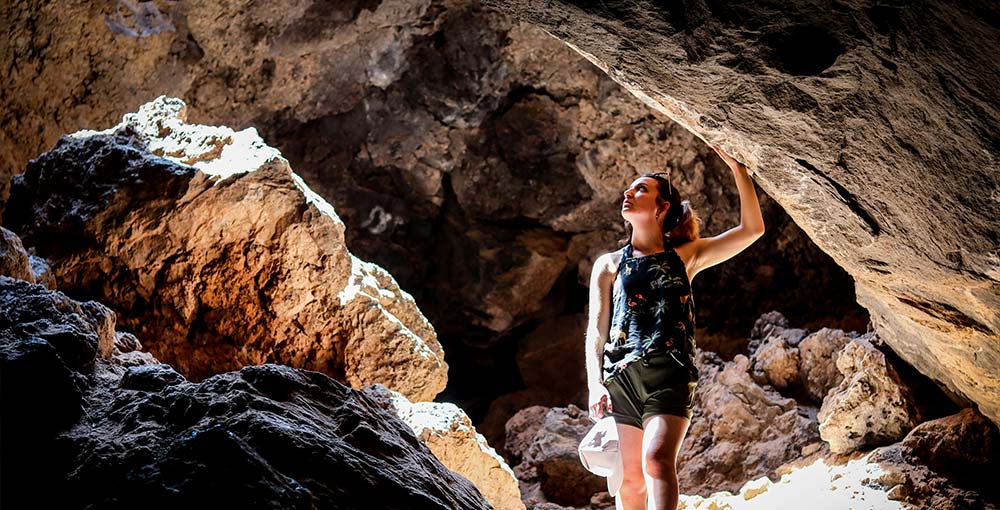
[{"x": 640, "y": 337}]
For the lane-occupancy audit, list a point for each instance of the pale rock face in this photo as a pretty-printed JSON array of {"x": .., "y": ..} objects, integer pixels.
[
  {"x": 818, "y": 354},
  {"x": 451, "y": 437},
  {"x": 209, "y": 246},
  {"x": 870, "y": 407},
  {"x": 879, "y": 141}
]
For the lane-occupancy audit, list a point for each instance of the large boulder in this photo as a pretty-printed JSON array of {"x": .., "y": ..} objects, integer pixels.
[
  {"x": 80, "y": 431},
  {"x": 208, "y": 246},
  {"x": 872, "y": 406},
  {"x": 945, "y": 463},
  {"x": 818, "y": 354},
  {"x": 550, "y": 470},
  {"x": 873, "y": 125},
  {"x": 267, "y": 435},
  {"x": 964, "y": 446}
]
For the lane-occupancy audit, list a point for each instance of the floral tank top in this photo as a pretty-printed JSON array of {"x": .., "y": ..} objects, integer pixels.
[{"x": 652, "y": 312}]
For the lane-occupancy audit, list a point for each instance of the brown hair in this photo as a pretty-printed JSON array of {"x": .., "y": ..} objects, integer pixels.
[{"x": 681, "y": 224}]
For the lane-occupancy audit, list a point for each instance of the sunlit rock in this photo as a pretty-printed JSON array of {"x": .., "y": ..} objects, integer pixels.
[
  {"x": 818, "y": 353},
  {"x": 740, "y": 429},
  {"x": 451, "y": 437},
  {"x": 871, "y": 406},
  {"x": 209, "y": 247},
  {"x": 776, "y": 363}
]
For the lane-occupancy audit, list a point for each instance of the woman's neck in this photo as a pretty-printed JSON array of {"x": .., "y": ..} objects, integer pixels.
[{"x": 647, "y": 241}]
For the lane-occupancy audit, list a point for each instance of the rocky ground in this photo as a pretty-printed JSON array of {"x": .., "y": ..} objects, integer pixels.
[
  {"x": 86, "y": 426},
  {"x": 761, "y": 438}
]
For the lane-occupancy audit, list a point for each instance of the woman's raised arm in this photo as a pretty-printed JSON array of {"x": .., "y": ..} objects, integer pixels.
[{"x": 710, "y": 251}]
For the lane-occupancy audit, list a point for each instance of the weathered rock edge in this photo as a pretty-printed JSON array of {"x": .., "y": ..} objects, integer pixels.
[{"x": 211, "y": 248}]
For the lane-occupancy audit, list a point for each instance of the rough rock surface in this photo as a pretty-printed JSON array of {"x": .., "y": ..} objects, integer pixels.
[
  {"x": 872, "y": 125},
  {"x": 748, "y": 439},
  {"x": 740, "y": 430},
  {"x": 479, "y": 160},
  {"x": 871, "y": 407},
  {"x": 550, "y": 470},
  {"x": 949, "y": 462},
  {"x": 43, "y": 272},
  {"x": 520, "y": 431},
  {"x": 818, "y": 355},
  {"x": 964, "y": 446},
  {"x": 14, "y": 261},
  {"x": 447, "y": 431},
  {"x": 551, "y": 367},
  {"x": 299, "y": 439},
  {"x": 209, "y": 246},
  {"x": 267, "y": 436},
  {"x": 945, "y": 463},
  {"x": 776, "y": 363},
  {"x": 793, "y": 360}
]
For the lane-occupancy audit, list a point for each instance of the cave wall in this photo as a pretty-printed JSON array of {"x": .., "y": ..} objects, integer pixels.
[
  {"x": 873, "y": 124},
  {"x": 476, "y": 158}
]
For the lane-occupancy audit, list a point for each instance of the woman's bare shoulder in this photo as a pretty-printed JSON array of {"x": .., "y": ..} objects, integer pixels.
[{"x": 608, "y": 262}]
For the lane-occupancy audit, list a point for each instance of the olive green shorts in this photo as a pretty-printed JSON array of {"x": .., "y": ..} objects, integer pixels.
[{"x": 655, "y": 384}]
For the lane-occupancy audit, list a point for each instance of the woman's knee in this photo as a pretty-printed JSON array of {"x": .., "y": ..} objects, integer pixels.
[
  {"x": 633, "y": 487},
  {"x": 661, "y": 465}
]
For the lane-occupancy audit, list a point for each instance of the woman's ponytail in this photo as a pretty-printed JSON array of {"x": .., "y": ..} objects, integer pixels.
[{"x": 686, "y": 229}]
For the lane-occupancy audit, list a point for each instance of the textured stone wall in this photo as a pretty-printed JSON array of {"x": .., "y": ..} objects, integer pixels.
[
  {"x": 478, "y": 160},
  {"x": 872, "y": 124}
]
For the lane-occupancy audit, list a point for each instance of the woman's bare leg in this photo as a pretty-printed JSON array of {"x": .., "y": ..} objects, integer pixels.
[
  {"x": 632, "y": 495},
  {"x": 661, "y": 444}
]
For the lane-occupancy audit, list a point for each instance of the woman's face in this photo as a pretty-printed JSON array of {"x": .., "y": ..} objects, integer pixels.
[{"x": 639, "y": 203}]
